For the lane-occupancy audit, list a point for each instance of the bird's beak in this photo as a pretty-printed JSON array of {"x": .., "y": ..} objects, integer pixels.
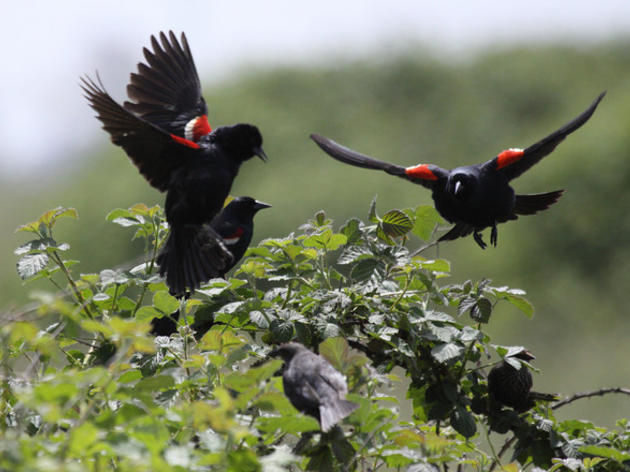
[
  {"x": 260, "y": 205},
  {"x": 260, "y": 153},
  {"x": 458, "y": 188}
]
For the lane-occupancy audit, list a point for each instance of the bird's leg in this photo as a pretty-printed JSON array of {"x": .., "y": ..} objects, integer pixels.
[
  {"x": 479, "y": 239},
  {"x": 493, "y": 235}
]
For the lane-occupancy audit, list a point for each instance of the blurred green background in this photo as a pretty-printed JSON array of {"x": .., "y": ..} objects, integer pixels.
[{"x": 573, "y": 260}]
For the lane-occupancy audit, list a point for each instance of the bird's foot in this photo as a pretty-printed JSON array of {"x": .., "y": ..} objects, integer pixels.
[
  {"x": 479, "y": 239},
  {"x": 494, "y": 235}
]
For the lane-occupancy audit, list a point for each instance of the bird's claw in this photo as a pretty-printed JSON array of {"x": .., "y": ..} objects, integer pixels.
[
  {"x": 479, "y": 239},
  {"x": 494, "y": 235}
]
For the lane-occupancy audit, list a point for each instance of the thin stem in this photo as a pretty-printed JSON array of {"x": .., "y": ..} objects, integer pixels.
[
  {"x": 504, "y": 448},
  {"x": 77, "y": 294},
  {"x": 594, "y": 393}
]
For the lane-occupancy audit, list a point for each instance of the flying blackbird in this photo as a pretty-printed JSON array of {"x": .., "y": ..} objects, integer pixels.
[
  {"x": 235, "y": 225},
  {"x": 512, "y": 387},
  {"x": 477, "y": 196},
  {"x": 313, "y": 386},
  {"x": 167, "y": 136}
]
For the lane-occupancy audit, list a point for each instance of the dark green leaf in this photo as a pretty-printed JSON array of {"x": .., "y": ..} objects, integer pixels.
[
  {"x": 463, "y": 422},
  {"x": 396, "y": 223}
]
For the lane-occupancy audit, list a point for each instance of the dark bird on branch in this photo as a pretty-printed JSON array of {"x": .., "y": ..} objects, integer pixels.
[
  {"x": 478, "y": 196},
  {"x": 313, "y": 386},
  {"x": 165, "y": 132},
  {"x": 235, "y": 225},
  {"x": 512, "y": 387}
]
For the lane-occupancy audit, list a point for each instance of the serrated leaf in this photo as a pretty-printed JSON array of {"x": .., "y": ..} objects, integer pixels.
[
  {"x": 447, "y": 351},
  {"x": 51, "y": 216},
  {"x": 364, "y": 269},
  {"x": 396, "y": 223},
  {"x": 481, "y": 310},
  {"x": 281, "y": 330},
  {"x": 31, "y": 264},
  {"x": 463, "y": 422},
  {"x": 382, "y": 235}
]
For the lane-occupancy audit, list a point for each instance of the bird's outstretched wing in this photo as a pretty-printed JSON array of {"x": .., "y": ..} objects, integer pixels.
[
  {"x": 166, "y": 91},
  {"x": 426, "y": 175},
  {"x": 513, "y": 162},
  {"x": 155, "y": 152}
]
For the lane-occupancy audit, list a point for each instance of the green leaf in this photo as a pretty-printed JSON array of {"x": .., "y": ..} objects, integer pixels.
[
  {"x": 281, "y": 330},
  {"x": 426, "y": 218},
  {"x": 364, "y": 269},
  {"x": 165, "y": 302},
  {"x": 522, "y": 304},
  {"x": 463, "y": 422},
  {"x": 446, "y": 352},
  {"x": 351, "y": 230},
  {"x": 158, "y": 382},
  {"x": 372, "y": 217},
  {"x": 148, "y": 313},
  {"x": 336, "y": 351},
  {"x": 396, "y": 223},
  {"x": 481, "y": 310},
  {"x": 31, "y": 264},
  {"x": 607, "y": 452}
]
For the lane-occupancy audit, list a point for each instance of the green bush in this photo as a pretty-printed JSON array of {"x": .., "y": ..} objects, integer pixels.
[{"x": 86, "y": 388}]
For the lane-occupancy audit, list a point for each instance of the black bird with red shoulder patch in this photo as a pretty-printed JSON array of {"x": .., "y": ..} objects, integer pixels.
[
  {"x": 166, "y": 134},
  {"x": 235, "y": 225},
  {"x": 478, "y": 196}
]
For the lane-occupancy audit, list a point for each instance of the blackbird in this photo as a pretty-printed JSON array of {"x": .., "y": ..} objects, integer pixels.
[
  {"x": 166, "y": 134},
  {"x": 235, "y": 225},
  {"x": 477, "y": 196}
]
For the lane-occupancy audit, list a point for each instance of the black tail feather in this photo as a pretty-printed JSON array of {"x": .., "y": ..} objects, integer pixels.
[
  {"x": 533, "y": 203},
  {"x": 192, "y": 255}
]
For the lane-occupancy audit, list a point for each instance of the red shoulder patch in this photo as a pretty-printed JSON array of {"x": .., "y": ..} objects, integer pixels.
[
  {"x": 509, "y": 156},
  {"x": 184, "y": 141},
  {"x": 234, "y": 237},
  {"x": 421, "y": 171},
  {"x": 196, "y": 128}
]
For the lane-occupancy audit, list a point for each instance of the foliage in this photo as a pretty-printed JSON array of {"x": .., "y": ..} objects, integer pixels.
[{"x": 84, "y": 387}]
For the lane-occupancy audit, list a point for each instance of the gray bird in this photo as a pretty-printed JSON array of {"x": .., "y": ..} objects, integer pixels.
[{"x": 313, "y": 386}]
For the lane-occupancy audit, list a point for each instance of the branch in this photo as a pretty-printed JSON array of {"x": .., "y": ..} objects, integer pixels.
[{"x": 600, "y": 392}]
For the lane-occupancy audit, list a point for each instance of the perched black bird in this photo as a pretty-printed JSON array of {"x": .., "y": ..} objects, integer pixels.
[
  {"x": 235, "y": 225},
  {"x": 167, "y": 136},
  {"x": 512, "y": 387},
  {"x": 477, "y": 196},
  {"x": 313, "y": 386}
]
